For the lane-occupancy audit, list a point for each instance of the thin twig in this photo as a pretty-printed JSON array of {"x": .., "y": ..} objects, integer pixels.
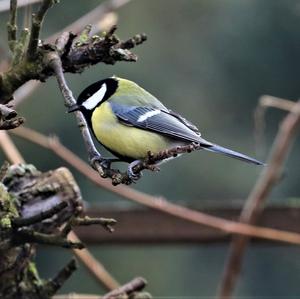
[
  {"x": 11, "y": 152},
  {"x": 94, "y": 266},
  {"x": 63, "y": 275},
  {"x": 37, "y": 21},
  {"x": 258, "y": 196},
  {"x": 77, "y": 296},
  {"x": 93, "y": 154},
  {"x": 265, "y": 102},
  {"x": 107, "y": 223},
  {"x": 24, "y": 235},
  {"x": 136, "y": 285},
  {"x": 4, "y": 4},
  {"x": 157, "y": 203},
  {"x": 93, "y": 17},
  {"x": 275, "y": 102},
  {"x": 12, "y": 25}
]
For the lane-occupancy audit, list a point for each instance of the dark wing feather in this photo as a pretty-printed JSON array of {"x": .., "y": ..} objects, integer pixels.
[
  {"x": 156, "y": 120},
  {"x": 185, "y": 121}
]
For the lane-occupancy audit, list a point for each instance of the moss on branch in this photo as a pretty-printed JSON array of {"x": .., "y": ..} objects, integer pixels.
[
  {"x": 77, "y": 52},
  {"x": 34, "y": 207}
]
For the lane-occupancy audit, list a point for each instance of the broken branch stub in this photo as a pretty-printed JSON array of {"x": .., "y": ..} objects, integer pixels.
[{"x": 40, "y": 203}]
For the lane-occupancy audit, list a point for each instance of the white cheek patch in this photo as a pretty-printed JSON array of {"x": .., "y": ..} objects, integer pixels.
[
  {"x": 147, "y": 115},
  {"x": 95, "y": 99}
]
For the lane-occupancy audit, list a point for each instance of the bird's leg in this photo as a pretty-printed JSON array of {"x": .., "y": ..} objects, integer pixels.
[{"x": 130, "y": 172}]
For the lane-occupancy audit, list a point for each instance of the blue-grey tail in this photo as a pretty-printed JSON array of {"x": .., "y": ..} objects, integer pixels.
[{"x": 225, "y": 151}]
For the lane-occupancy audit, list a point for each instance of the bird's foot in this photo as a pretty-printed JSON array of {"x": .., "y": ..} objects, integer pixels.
[
  {"x": 104, "y": 162},
  {"x": 131, "y": 173}
]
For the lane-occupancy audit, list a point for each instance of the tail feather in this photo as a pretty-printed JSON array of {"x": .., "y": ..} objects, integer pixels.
[{"x": 225, "y": 151}]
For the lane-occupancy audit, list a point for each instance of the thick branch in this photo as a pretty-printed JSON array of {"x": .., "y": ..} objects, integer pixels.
[
  {"x": 20, "y": 222},
  {"x": 33, "y": 206},
  {"x": 93, "y": 265},
  {"x": 89, "y": 51},
  {"x": 76, "y": 56},
  {"x": 101, "y": 18}
]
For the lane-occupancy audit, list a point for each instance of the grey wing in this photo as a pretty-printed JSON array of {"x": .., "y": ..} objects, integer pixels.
[
  {"x": 156, "y": 120},
  {"x": 185, "y": 121}
]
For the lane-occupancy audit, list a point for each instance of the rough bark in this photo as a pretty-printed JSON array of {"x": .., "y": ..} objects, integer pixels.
[
  {"x": 77, "y": 52},
  {"x": 34, "y": 206}
]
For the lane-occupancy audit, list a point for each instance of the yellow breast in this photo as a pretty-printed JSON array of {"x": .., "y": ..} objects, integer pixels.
[{"x": 125, "y": 140}]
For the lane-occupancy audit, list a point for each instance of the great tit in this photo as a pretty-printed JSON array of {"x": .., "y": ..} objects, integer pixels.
[{"x": 129, "y": 122}]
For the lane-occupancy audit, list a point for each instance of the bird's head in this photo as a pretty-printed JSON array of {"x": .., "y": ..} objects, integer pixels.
[{"x": 95, "y": 94}]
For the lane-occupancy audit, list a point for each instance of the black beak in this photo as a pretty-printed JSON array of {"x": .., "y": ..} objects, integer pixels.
[{"x": 73, "y": 108}]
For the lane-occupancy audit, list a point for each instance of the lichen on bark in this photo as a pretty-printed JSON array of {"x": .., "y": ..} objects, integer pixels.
[{"x": 26, "y": 196}]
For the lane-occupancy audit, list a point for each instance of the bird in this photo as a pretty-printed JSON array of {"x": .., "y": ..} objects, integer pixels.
[{"x": 130, "y": 122}]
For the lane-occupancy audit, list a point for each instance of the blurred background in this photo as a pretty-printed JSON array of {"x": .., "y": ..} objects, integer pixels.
[{"x": 210, "y": 60}]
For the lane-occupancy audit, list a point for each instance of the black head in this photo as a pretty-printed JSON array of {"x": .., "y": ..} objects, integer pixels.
[{"x": 95, "y": 94}]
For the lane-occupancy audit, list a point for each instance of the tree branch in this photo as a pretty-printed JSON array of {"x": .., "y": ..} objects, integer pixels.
[
  {"x": 36, "y": 25},
  {"x": 93, "y": 17},
  {"x": 265, "y": 102},
  {"x": 76, "y": 56},
  {"x": 9, "y": 119},
  {"x": 12, "y": 25},
  {"x": 27, "y": 235},
  {"x": 94, "y": 266},
  {"x": 258, "y": 196},
  {"x": 107, "y": 223},
  {"x": 20, "y": 222},
  {"x": 94, "y": 156},
  {"x": 5, "y": 4},
  {"x": 58, "y": 281},
  {"x": 101, "y": 19},
  {"x": 9, "y": 149},
  {"x": 129, "y": 288},
  {"x": 157, "y": 203},
  {"x": 275, "y": 102}
]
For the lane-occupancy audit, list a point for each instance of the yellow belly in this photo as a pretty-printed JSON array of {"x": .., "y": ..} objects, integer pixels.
[{"x": 125, "y": 140}]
